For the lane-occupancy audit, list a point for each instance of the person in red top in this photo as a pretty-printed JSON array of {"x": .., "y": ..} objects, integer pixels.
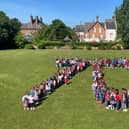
[
  {"x": 107, "y": 99},
  {"x": 94, "y": 66},
  {"x": 65, "y": 80},
  {"x": 118, "y": 100}
]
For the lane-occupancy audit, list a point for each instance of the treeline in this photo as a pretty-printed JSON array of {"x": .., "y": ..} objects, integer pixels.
[
  {"x": 54, "y": 34},
  {"x": 58, "y": 34}
]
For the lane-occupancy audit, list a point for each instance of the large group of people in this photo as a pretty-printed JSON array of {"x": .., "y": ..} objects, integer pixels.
[
  {"x": 115, "y": 63},
  {"x": 110, "y": 97},
  {"x": 66, "y": 69}
]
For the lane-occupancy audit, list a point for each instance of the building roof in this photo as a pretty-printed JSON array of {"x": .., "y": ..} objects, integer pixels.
[
  {"x": 29, "y": 26},
  {"x": 67, "y": 38},
  {"x": 79, "y": 28},
  {"x": 33, "y": 24},
  {"x": 110, "y": 24},
  {"x": 86, "y": 26}
]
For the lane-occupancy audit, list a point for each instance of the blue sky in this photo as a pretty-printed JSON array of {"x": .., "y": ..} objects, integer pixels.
[{"x": 72, "y": 12}]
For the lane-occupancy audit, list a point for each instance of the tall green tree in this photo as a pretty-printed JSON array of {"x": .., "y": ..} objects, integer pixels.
[
  {"x": 122, "y": 18},
  {"x": 56, "y": 31},
  {"x": 8, "y": 30}
]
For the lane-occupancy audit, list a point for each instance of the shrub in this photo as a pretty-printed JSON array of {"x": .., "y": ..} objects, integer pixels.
[
  {"x": 28, "y": 46},
  {"x": 49, "y": 44},
  {"x": 102, "y": 47},
  {"x": 74, "y": 47},
  {"x": 89, "y": 48},
  {"x": 52, "y": 43},
  {"x": 41, "y": 46},
  {"x": 118, "y": 47}
]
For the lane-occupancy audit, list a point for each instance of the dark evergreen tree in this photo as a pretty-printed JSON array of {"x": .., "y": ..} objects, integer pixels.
[{"x": 122, "y": 18}]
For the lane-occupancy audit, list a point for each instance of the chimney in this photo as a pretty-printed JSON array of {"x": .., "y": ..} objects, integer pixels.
[
  {"x": 37, "y": 20},
  {"x": 41, "y": 20},
  {"x": 31, "y": 20},
  {"x": 97, "y": 19},
  {"x": 113, "y": 17}
]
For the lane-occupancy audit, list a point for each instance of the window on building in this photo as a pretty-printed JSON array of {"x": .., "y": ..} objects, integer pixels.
[
  {"x": 95, "y": 30},
  {"x": 93, "y": 36},
  {"x": 111, "y": 35},
  {"x": 100, "y": 30},
  {"x": 101, "y": 36}
]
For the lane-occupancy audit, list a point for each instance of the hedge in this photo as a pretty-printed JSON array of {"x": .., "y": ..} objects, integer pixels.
[{"x": 51, "y": 43}]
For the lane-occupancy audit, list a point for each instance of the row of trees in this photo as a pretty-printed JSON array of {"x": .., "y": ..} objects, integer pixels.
[
  {"x": 49, "y": 35},
  {"x": 57, "y": 31},
  {"x": 122, "y": 18},
  {"x": 10, "y": 36}
]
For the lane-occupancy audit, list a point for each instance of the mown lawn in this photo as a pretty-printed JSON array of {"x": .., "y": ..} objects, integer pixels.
[{"x": 69, "y": 107}]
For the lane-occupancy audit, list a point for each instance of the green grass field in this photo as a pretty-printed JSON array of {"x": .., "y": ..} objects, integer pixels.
[{"x": 69, "y": 107}]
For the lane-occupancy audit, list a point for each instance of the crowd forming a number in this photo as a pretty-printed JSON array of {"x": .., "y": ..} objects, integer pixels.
[
  {"x": 66, "y": 69},
  {"x": 108, "y": 96}
]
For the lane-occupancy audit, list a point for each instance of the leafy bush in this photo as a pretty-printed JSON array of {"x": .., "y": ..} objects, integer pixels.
[
  {"x": 118, "y": 48},
  {"x": 28, "y": 46},
  {"x": 89, "y": 48},
  {"x": 102, "y": 47},
  {"x": 42, "y": 44}
]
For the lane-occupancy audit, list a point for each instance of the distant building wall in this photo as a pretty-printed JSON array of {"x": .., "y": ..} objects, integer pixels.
[
  {"x": 28, "y": 31},
  {"x": 97, "y": 31},
  {"x": 32, "y": 26},
  {"x": 111, "y": 35}
]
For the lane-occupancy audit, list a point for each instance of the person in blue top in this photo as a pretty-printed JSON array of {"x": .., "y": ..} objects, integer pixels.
[{"x": 115, "y": 62}]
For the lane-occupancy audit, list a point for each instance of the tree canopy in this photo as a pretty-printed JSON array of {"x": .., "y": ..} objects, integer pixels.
[
  {"x": 56, "y": 31},
  {"x": 122, "y": 18},
  {"x": 8, "y": 30}
]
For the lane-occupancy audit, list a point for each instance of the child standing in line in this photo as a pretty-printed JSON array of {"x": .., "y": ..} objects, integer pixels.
[
  {"x": 94, "y": 86},
  {"x": 112, "y": 99},
  {"x": 128, "y": 98},
  {"x": 117, "y": 99},
  {"x": 124, "y": 99},
  {"x": 107, "y": 99},
  {"x": 25, "y": 102},
  {"x": 65, "y": 80}
]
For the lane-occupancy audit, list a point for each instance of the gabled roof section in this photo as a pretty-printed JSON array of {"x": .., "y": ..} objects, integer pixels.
[
  {"x": 88, "y": 25},
  {"x": 79, "y": 28},
  {"x": 101, "y": 24},
  {"x": 110, "y": 24},
  {"x": 33, "y": 24}
]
